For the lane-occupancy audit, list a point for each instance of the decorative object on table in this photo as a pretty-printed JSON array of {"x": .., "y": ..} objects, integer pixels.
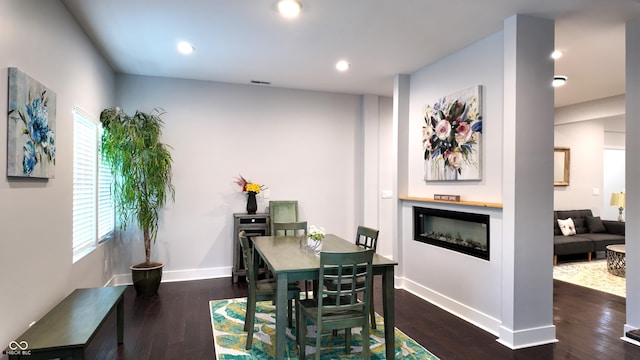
[
  {"x": 617, "y": 200},
  {"x": 141, "y": 165},
  {"x": 451, "y": 137},
  {"x": 31, "y": 145},
  {"x": 252, "y": 189},
  {"x": 314, "y": 239}
]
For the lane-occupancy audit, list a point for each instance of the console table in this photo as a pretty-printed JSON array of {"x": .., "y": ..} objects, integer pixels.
[{"x": 252, "y": 225}]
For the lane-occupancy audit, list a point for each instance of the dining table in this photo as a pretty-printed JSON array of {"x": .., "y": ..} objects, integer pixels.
[{"x": 289, "y": 260}]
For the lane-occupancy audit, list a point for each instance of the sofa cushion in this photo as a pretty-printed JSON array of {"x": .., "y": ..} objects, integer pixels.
[
  {"x": 568, "y": 245},
  {"x": 602, "y": 240},
  {"x": 594, "y": 224},
  {"x": 567, "y": 227},
  {"x": 581, "y": 225}
]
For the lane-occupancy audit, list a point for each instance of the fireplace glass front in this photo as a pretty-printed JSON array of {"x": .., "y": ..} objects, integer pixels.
[{"x": 463, "y": 232}]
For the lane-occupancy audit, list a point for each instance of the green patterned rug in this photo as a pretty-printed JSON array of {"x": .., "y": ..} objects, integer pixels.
[{"x": 227, "y": 319}]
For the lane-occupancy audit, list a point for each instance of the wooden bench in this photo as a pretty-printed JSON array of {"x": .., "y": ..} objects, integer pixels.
[{"x": 67, "y": 329}]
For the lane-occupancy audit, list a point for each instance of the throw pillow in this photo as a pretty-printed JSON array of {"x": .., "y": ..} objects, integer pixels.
[
  {"x": 567, "y": 227},
  {"x": 595, "y": 225}
]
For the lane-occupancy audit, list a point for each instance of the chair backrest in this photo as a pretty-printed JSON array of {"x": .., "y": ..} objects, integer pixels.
[
  {"x": 290, "y": 228},
  {"x": 247, "y": 256},
  {"x": 367, "y": 237},
  {"x": 353, "y": 271},
  {"x": 282, "y": 211}
]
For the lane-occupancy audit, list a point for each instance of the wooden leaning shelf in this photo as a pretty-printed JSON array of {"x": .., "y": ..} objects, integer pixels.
[{"x": 461, "y": 202}]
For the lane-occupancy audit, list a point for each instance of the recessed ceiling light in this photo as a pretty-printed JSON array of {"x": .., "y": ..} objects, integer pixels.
[
  {"x": 185, "y": 47},
  {"x": 289, "y": 8},
  {"x": 556, "y": 54},
  {"x": 342, "y": 65},
  {"x": 559, "y": 80}
]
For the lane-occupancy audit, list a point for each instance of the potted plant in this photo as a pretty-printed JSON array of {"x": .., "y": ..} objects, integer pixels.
[{"x": 141, "y": 166}]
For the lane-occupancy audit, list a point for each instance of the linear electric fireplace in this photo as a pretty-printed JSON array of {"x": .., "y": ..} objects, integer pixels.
[{"x": 467, "y": 233}]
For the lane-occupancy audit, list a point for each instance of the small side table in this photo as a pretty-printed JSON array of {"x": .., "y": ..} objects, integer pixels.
[
  {"x": 252, "y": 225},
  {"x": 616, "y": 263}
]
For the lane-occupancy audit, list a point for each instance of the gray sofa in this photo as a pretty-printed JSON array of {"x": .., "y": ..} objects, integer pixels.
[{"x": 592, "y": 234}]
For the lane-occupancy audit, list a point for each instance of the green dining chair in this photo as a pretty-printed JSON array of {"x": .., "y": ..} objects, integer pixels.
[
  {"x": 366, "y": 238},
  {"x": 293, "y": 229},
  {"x": 282, "y": 211},
  {"x": 290, "y": 228},
  {"x": 339, "y": 308},
  {"x": 260, "y": 290}
]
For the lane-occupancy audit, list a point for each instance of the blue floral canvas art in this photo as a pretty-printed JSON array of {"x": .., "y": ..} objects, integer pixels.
[
  {"x": 451, "y": 136},
  {"x": 31, "y": 148}
]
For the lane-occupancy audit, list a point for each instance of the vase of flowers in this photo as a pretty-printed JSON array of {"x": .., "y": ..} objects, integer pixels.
[
  {"x": 252, "y": 189},
  {"x": 315, "y": 235}
]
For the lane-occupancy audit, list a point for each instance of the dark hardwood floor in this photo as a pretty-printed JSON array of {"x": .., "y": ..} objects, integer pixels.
[{"x": 176, "y": 325}]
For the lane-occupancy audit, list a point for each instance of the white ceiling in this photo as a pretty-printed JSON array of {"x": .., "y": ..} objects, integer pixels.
[{"x": 238, "y": 41}]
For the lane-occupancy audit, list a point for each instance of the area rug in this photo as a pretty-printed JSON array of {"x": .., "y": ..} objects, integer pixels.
[
  {"x": 227, "y": 320},
  {"x": 592, "y": 274}
]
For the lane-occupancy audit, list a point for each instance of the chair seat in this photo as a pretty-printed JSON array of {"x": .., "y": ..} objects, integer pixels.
[
  {"x": 310, "y": 307},
  {"x": 269, "y": 286}
]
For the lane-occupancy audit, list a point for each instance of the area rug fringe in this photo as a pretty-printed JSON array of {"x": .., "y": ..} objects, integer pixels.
[{"x": 227, "y": 321}]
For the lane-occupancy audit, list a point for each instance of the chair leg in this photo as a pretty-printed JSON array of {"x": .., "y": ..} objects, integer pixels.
[
  {"x": 366, "y": 353},
  {"x": 301, "y": 333},
  {"x": 306, "y": 289},
  {"x": 247, "y": 312},
  {"x": 347, "y": 340},
  {"x": 290, "y": 313},
  {"x": 372, "y": 314},
  {"x": 318, "y": 340},
  {"x": 249, "y": 322}
]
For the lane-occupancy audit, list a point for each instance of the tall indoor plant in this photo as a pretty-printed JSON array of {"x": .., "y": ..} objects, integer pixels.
[{"x": 141, "y": 165}]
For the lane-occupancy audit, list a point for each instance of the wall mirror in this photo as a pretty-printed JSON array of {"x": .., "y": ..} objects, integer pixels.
[{"x": 561, "y": 163}]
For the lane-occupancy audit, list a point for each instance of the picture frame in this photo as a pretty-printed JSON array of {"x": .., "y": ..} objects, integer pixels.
[
  {"x": 452, "y": 137},
  {"x": 31, "y": 146},
  {"x": 561, "y": 166}
]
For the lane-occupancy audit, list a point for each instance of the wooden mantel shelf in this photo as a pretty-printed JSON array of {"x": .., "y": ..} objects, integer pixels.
[{"x": 463, "y": 203}]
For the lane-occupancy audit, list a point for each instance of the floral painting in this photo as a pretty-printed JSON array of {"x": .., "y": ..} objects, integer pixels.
[
  {"x": 31, "y": 148},
  {"x": 451, "y": 137}
]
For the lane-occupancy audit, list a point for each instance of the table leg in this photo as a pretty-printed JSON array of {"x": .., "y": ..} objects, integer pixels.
[
  {"x": 388, "y": 306},
  {"x": 281, "y": 314},
  {"x": 120, "y": 319}
]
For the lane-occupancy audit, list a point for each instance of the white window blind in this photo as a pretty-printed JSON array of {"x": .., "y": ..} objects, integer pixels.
[{"x": 93, "y": 210}]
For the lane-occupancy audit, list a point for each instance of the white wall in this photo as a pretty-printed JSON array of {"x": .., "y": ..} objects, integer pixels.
[
  {"x": 585, "y": 190},
  {"x": 468, "y": 286},
  {"x": 44, "y": 41},
  {"x": 302, "y": 145},
  {"x": 588, "y": 129}
]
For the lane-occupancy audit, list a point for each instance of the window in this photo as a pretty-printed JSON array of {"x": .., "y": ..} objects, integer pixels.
[{"x": 93, "y": 207}]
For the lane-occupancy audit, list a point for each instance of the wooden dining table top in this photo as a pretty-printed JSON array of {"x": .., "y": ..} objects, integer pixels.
[{"x": 285, "y": 253}]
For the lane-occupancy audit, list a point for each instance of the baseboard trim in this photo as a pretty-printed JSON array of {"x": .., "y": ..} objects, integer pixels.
[
  {"x": 526, "y": 338},
  {"x": 473, "y": 316},
  {"x": 177, "y": 275}
]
